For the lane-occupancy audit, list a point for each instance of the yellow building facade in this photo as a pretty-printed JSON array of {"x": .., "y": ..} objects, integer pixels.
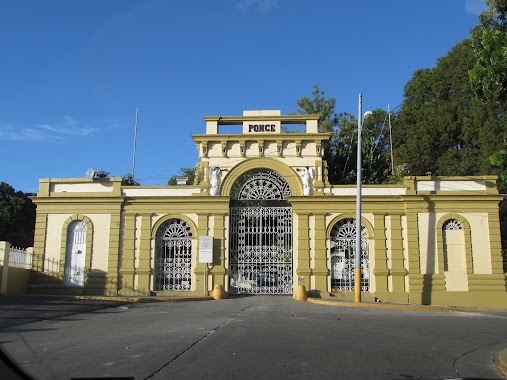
[{"x": 275, "y": 222}]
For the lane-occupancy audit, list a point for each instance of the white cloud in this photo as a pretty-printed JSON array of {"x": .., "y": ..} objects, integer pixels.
[
  {"x": 474, "y": 7},
  {"x": 261, "y": 6},
  {"x": 58, "y": 131}
]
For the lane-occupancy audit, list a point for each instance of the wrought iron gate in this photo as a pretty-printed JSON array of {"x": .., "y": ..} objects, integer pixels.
[
  {"x": 260, "y": 260},
  {"x": 173, "y": 262},
  {"x": 343, "y": 253}
]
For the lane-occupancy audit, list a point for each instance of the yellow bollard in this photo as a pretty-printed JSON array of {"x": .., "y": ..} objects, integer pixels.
[
  {"x": 300, "y": 294},
  {"x": 218, "y": 292}
]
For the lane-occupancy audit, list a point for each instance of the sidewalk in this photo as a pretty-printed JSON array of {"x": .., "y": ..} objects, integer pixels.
[
  {"x": 502, "y": 356},
  {"x": 122, "y": 299},
  {"x": 381, "y": 305}
]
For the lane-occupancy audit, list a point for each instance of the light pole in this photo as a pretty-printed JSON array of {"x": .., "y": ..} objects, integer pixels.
[{"x": 357, "y": 277}]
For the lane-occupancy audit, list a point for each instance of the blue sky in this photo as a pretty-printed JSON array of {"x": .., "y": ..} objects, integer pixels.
[{"x": 73, "y": 72}]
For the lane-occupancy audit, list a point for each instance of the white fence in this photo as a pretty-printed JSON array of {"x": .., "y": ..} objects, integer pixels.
[{"x": 21, "y": 258}]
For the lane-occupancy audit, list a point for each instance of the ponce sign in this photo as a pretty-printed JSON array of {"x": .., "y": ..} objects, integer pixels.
[{"x": 261, "y": 127}]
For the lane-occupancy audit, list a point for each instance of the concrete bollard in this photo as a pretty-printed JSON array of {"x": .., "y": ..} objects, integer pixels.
[
  {"x": 218, "y": 292},
  {"x": 300, "y": 294}
]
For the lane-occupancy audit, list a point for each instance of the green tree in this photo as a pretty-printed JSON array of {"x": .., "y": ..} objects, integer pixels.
[
  {"x": 442, "y": 127},
  {"x": 17, "y": 217},
  {"x": 189, "y": 172},
  {"x": 128, "y": 180},
  {"x": 321, "y": 105},
  {"x": 341, "y": 154},
  {"x": 488, "y": 77},
  {"x": 375, "y": 150}
]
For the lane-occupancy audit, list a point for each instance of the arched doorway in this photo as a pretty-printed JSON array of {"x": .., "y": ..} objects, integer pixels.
[
  {"x": 76, "y": 253},
  {"x": 173, "y": 257},
  {"x": 260, "y": 248},
  {"x": 454, "y": 246},
  {"x": 343, "y": 253}
]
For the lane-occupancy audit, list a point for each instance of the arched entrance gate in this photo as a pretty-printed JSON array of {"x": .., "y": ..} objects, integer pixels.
[
  {"x": 343, "y": 257},
  {"x": 260, "y": 260}
]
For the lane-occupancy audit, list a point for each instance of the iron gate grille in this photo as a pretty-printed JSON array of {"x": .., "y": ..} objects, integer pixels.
[
  {"x": 173, "y": 264},
  {"x": 261, "y": 250},
  {"x": 260, "y": 260},
  {"x": 343, "y": 253}
]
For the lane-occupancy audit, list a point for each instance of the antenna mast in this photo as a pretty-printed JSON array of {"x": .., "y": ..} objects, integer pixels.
[
  {"x": 135, "y": 140},
  {"x": 390, "y": 140}
]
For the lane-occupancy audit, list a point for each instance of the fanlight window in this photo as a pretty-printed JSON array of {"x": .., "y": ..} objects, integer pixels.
[
  {"x": 173, "y": 263},
  {"x": 260, "y": 185},
  {"x": 451, "y": 225}
]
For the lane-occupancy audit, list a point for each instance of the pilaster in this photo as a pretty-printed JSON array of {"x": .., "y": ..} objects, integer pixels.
[
  {"x": 113, "y": 255},
  {"x": 414, "y": 262},
  {"x": 143, "y": 270},
  {"x": 127, "y": 265},
  {"x": 200, "y": 268},
  {"x": 320, "y": 270},
  {"x": 303, "y": 268},
  {"x": 380, "y": 271},
  {"x": 218, "y": 270},
  {"x": 398, "y": 271},
  {"x": 495, "y": 243},
  {"x": 39, "y": 243}
]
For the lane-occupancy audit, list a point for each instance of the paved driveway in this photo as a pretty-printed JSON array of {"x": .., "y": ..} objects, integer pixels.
[{"x": 262, "y": 337}]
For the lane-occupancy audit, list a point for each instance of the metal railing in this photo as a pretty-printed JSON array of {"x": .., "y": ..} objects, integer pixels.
[
  {"x": 20, "y": 258},
  {"x": 26, "y": 259}
]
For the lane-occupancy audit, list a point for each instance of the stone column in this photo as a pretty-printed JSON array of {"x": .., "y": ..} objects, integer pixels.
[
  {"x": 398, "y": 271},
  {"x": 5, "y": 251},
  {"x": 200, "y": 268},
  {"x": 39, "y": 243},
  {"x": 415, "y": 278},
  {"x": 303, "y": 269},
  {"x": 381, "y": 272},
  {"x": 113, "y": 255},
  {"x": 127, "y": 264},
  {"x": 320, "y": 270},
  {"x": 218, "y": 270},
  {"x": 495, "y": 243},
  {"x": 144, "y": 270}
]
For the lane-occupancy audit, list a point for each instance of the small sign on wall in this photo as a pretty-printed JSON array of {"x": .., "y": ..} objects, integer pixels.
[{"x": 206, "y": 249}]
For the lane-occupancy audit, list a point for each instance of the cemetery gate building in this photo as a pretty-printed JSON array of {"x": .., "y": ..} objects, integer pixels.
[{"x": 275, "y": 222}]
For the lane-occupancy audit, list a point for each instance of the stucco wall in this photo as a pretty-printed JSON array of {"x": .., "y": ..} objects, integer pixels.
[{"x": 100, "y": 249}]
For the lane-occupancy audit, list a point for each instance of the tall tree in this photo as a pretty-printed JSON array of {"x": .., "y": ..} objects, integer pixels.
[
  {"x": 17, "y": 217},
  {"x": 442, "y": 127},
  {"x": 488, "y": 77},
  {"x": 341, "y": 154},
  {"x": 375, "y": 150},
  {"x": 321, "y": 105}
]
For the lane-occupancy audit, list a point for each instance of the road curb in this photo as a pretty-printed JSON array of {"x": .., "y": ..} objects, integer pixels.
[
  {"x": 121, "y": 299},
  {"x": 395, "y": 306},
  {"x": 142, "y": 299},
  {"x": 502, "y": 362}
]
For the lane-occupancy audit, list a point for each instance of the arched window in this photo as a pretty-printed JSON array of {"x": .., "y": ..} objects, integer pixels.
[
  {"x": 173, "y": 262},
  {"x": 454, "y": 246},
  {"x": 343, "y": 251}
]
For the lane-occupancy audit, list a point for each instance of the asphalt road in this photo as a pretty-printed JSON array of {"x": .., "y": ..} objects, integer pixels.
[{"x": 262, "y": 337}]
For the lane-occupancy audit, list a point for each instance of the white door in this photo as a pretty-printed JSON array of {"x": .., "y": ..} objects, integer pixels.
[{"x": 75, "y": 256}]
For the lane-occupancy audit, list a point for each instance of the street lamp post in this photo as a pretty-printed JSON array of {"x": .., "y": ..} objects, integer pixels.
[{"x": 357, "y": 277}]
